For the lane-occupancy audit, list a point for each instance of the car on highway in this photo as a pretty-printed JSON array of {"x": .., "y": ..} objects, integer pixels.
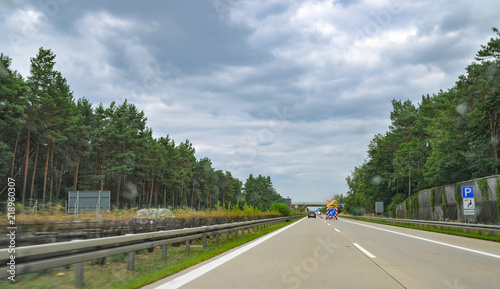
[{"x": 311, "y": 214}]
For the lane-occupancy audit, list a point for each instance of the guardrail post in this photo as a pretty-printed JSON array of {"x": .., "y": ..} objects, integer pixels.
[
  {"x": 236, "y": 233},
  {"x": 78, "y": 274},
  {"x": 131, "y": 261},
  {"x": 163, "y": 252},
  {"x": 187, "y": 246},
  {"x": 243, "y": 232},
  {"x": 204, "y": 241},
  {"x": 217, "y": 238},
  {"x": 227, "y": 235}
]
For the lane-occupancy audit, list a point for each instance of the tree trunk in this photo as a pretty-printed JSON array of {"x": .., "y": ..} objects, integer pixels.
[
  {"x": 173, "y": 197},
  {"x": 494, "y": 137},
  {"x": 94, "y": 185},
  {"x": 45, "y": 174},
  {"x": 118, "y": 193},
  {"x": 182, "y": 194},
  {"x": 156, "y": 195},
  {"x": 34, "y": 173},
  {"x": 165, "y": 196},
  {"x": 14, "y": 157},
  {"x": 26, "y": 165},
  {"x": 102, "y": 175},
  {"x": 192, "y": 194},
  {"x": 208, "y": 195},
  {"x": 75, "y": 183},
  {"x": 151, "y": 192},
  {"x": 144, "y": 195},
  {"x": 58, "y": 191},
  {"x": 223, "y": 200},
  {"x": 51, "y": 180}
]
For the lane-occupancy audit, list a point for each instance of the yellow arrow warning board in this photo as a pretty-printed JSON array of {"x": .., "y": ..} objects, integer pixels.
[{"x": 333, "y": 204}]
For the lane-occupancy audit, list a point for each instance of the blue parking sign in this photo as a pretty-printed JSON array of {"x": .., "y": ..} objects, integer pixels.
[{"x": 467, "y": 192}]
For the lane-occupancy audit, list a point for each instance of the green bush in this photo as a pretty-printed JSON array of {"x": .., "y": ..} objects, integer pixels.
[
  {"x": 283, "y": 209},
  {"x": 395, "y": 201},
  {"x": 358, "y": 211}
]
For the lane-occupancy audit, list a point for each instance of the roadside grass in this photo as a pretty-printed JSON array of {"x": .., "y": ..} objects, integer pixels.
[
  {"x": 149, "y": 267},
  {"x": 476, "y": 234}
]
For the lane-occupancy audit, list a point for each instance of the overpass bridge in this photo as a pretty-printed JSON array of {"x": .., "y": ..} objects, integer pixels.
[{"x": 309, "y": 204}]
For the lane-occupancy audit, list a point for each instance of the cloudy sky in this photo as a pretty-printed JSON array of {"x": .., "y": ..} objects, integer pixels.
[{"x": 293, "y": 89}]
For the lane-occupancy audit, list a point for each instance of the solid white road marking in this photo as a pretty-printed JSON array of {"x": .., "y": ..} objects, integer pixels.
[
  {"x": 190, "y": 276},
  {"x": 429, "y": 240},
  {"x": 364, "y": 250},
  {"x": 337, "y": 230}
]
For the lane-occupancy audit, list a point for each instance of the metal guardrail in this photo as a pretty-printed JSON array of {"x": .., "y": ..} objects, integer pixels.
[
  {"x": 493, "y": 230},
  {"x": 37, "y": 233},
  {"x": 31, "y": 259}
]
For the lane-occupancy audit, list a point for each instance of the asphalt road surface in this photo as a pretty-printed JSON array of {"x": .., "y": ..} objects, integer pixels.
[{"x": 317, "y": 253}]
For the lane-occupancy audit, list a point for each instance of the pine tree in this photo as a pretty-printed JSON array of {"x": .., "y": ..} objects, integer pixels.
[{"x": 13, "y": 101}]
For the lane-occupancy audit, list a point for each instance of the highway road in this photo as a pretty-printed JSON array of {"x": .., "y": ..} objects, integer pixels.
[{"x": 317, "y": 253}]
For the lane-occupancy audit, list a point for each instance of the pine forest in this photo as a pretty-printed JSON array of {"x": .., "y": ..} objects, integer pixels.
[
  {"x": 52, "y": 143},
  {"x": 449, "y": 137}
]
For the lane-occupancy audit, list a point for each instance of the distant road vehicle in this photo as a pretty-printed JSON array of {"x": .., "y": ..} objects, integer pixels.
[{"x": 311, "y": 215}]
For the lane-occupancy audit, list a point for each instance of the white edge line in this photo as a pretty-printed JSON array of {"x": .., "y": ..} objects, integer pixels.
[
  {"x": 364, "y": 251},
  {"x": 429, "y": 240},
  {"x": 190, "y": 276},
  {"x": 337, "y": 230}
]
